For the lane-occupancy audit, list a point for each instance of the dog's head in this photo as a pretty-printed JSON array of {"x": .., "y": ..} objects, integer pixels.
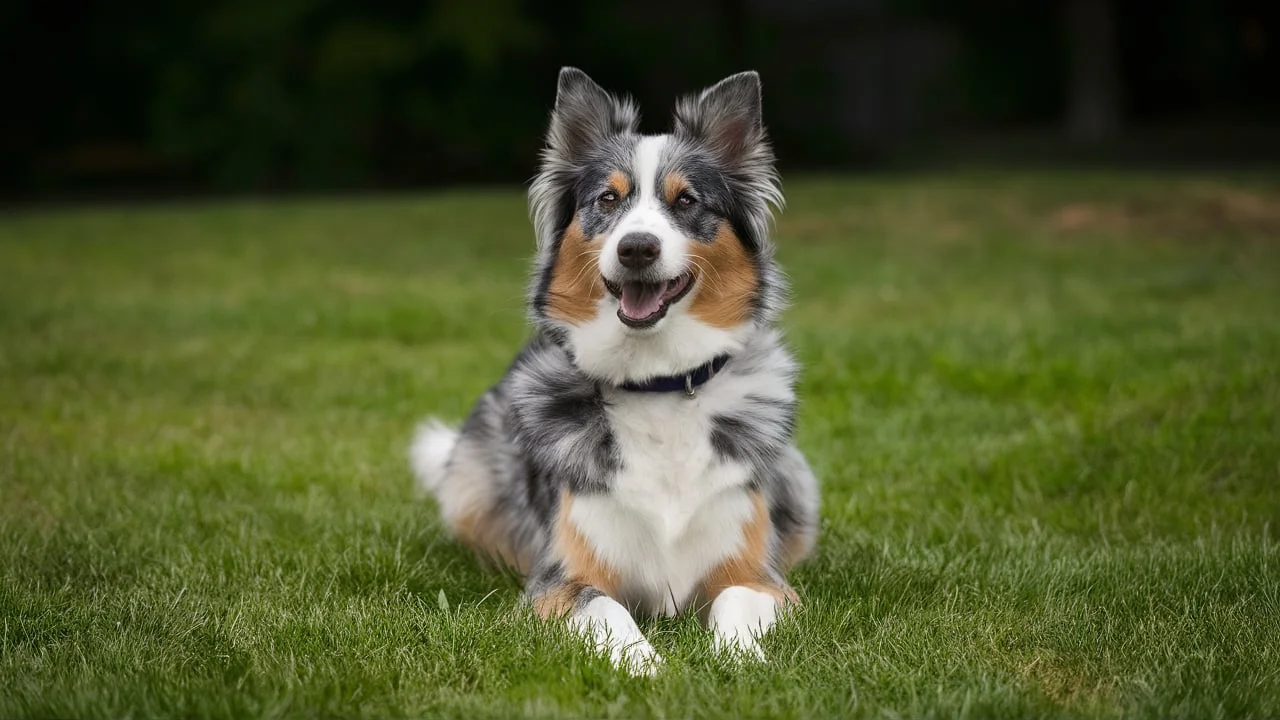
[{"x": 654, "y": 253}]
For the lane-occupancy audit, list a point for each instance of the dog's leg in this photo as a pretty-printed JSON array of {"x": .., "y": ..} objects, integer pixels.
[
  {"x": 746, "y": 591},
  {"x": 571, "y": 581},
  {"x": 604, "y": 621}
]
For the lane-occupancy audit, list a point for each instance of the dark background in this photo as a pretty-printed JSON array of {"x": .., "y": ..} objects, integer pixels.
[{"x": 157, "y": 97}]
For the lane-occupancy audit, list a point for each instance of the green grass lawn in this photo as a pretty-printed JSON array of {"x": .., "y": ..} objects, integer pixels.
[{"x": 1045, "y": 410}]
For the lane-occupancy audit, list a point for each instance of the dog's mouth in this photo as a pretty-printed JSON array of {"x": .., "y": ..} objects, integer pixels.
[{"x": 642, "y": 304}]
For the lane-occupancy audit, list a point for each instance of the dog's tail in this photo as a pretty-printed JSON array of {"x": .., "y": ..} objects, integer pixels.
[{"x": 433, "y": 444}]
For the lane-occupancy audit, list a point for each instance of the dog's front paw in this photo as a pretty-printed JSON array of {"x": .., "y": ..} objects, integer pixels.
[
  {"x": 638, "y": 659},
  {"x": 615, "y": 633},
  {"x": 739, "y": 645},
  {"x": 739, "y": 617}
]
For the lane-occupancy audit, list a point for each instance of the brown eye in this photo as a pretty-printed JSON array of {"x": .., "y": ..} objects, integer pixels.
[
  {"x": 686, "y": 200},
  {"x": 608, "y": 198}
]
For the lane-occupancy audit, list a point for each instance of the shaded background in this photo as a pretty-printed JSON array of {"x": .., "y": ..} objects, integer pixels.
[{"x": 154, "y": 97}]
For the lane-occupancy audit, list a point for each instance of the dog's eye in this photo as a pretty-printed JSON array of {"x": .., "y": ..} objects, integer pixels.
[
  {"x": 686, "y": 200},
  {"x": 608, "y": 198}
]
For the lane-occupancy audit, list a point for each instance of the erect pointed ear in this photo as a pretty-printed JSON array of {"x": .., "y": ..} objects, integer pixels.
[
  {"x": 726, "y": 116},
  {"x": 585, "y": 115}
]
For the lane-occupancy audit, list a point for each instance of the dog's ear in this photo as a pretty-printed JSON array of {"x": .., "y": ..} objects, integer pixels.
[
  {"x": 726, "y": 116},
  {"x": 585, "y": 115}
]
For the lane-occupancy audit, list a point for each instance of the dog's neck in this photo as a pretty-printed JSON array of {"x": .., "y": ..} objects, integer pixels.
[
  {"x": 686, "y": 383},
  {"x": 607, "y": 350}
]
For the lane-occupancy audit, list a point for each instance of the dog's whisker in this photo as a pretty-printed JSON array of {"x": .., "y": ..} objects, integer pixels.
[
  {"x": 715, "y": 271},
  {"x": 589, "y": 265},
  {"x": 713, "y": 280}
]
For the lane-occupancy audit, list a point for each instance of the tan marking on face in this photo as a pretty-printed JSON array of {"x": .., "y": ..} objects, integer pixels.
[
  {"x": 749, "y": 568},
  {"x": 672, "y": 185},
  {"x": 575, "y": 278},
  {"x": 583, "y": 568},
  {"x": 726, "y": 280},
  {"x": 619, "y": 183}
]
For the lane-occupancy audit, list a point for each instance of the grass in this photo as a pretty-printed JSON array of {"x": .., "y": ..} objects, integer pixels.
[{"x": 1045, "y": 410}]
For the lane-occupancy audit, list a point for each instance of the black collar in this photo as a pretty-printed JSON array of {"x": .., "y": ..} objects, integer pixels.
[{"x": 686, "y": 382}]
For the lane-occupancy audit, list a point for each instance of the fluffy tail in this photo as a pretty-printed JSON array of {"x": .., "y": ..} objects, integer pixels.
[{"x": 429, "y": 455}]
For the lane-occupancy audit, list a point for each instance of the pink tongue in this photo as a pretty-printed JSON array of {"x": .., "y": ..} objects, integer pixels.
[{"x": 640, "y": 300}]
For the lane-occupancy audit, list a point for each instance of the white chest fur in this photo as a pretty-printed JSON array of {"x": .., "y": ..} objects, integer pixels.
[{"x": 676, "y": 510}]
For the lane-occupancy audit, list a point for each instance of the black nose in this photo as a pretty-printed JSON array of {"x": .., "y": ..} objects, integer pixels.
[{"x": 638, "y": 250}]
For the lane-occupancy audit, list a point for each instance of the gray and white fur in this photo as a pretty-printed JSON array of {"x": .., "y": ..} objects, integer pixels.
[{"x": 653, "y": 259}]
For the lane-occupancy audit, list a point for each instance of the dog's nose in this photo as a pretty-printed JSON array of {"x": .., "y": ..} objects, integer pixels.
[{"x": 638, "y": 251}]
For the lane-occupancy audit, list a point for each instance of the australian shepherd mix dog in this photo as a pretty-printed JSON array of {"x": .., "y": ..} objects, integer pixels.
[{"x": 637, "y": 456}]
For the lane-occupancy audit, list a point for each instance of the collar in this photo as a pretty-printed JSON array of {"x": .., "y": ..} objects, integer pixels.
[{"x": 686, "y": 382}]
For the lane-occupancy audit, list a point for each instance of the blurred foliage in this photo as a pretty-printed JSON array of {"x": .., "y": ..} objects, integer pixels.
[
  {"x": 246, "y": 95},
  {"x": 322, "y": 92}
]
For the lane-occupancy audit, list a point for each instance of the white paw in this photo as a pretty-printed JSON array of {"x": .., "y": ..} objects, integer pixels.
[
  {"x": 739, "y": 616},
  {"x": 639, "y": 659},
  {"x": 738, "y": 646},
  {"x": 613, "y": 630}
]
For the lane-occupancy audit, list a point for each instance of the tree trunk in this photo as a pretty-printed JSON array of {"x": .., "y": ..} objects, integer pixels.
[{"x": 1093, "y": 87}]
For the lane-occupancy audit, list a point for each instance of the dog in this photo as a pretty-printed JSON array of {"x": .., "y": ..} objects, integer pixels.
[{"x": 638, "y": 454}]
